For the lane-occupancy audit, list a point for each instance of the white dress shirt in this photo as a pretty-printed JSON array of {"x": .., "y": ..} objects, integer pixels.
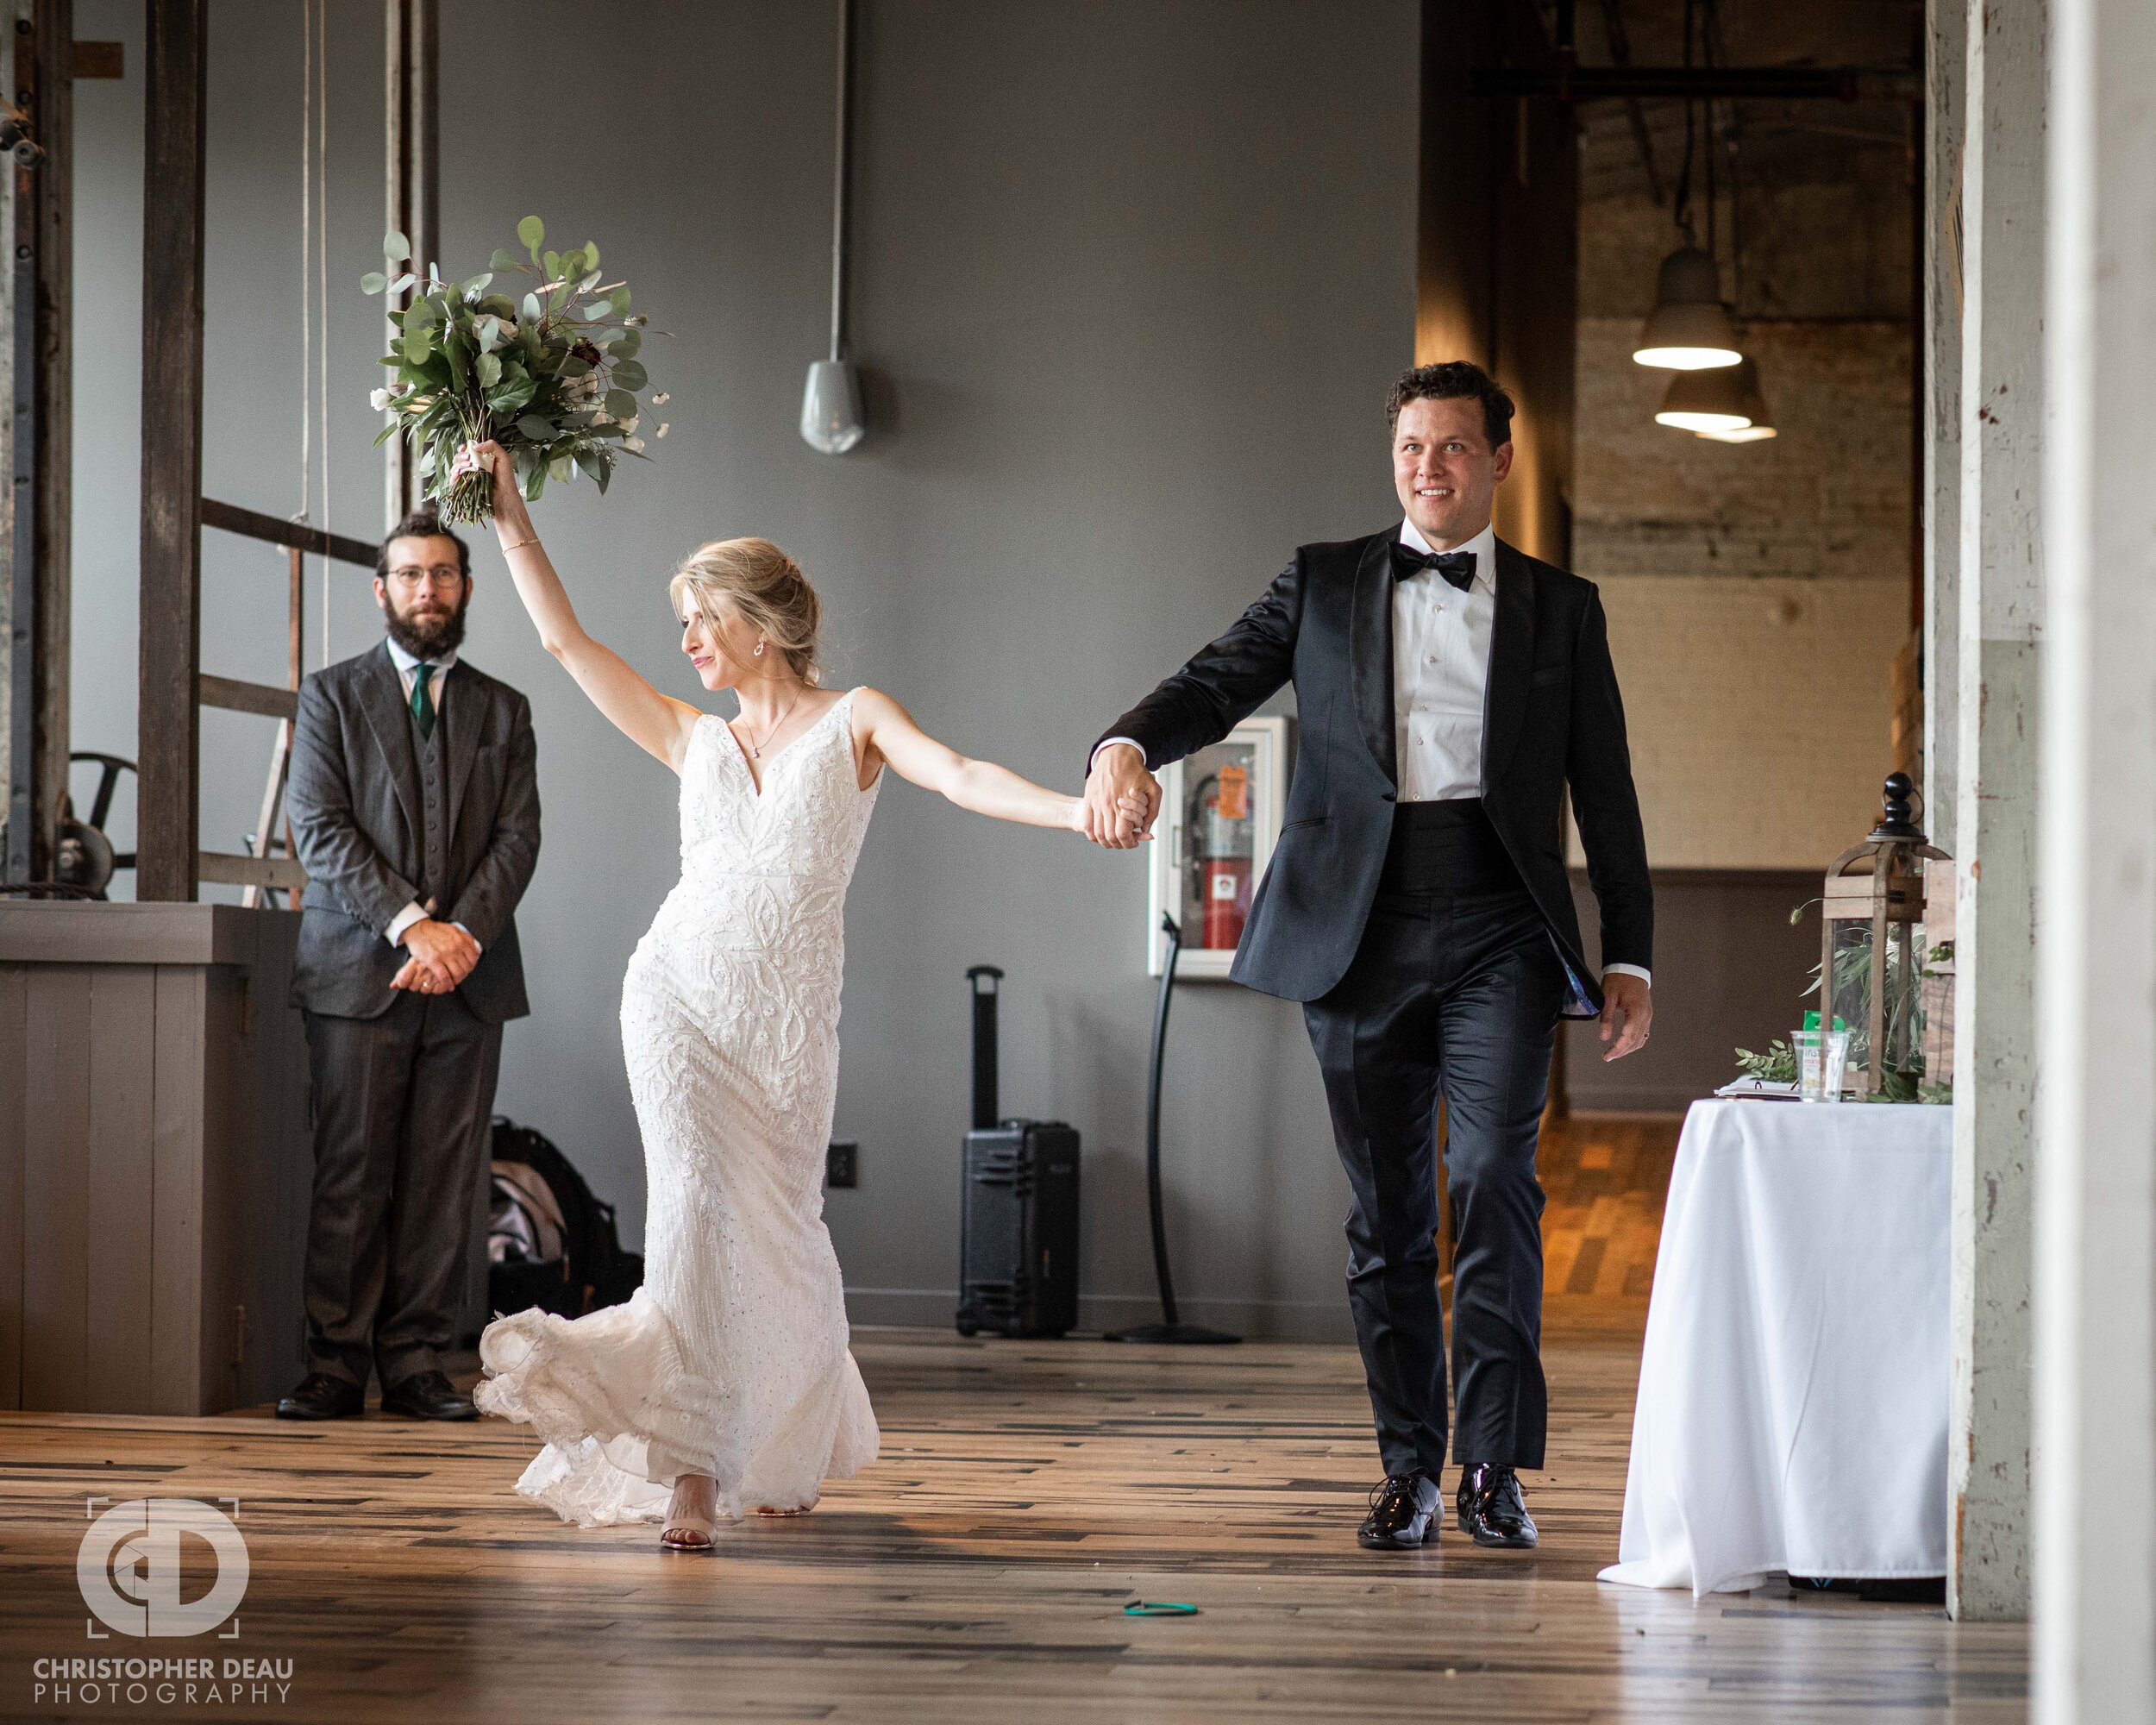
[
  {"x": 407, "y": 674},
  {"x": 1441, "y": 640},
  {"x": 1441, "y": 643}
]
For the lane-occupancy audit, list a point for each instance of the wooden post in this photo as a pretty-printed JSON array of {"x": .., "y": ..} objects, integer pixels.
[
  {"x": 18, "y": 582},
  {"x": 412, "y": 110},
  {"x": 38, "y": 319},
  {"x": 168, "y": 723},
  {"x": 53, "y": 470}
]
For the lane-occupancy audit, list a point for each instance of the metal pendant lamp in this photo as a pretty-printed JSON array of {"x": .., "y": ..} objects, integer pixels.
[
  {"x": 1753, "y": 403},
  {"x": 830, "y": 404},
  {"x": 1689, "y": 330},
  {"x": 1705, "y": 401}
]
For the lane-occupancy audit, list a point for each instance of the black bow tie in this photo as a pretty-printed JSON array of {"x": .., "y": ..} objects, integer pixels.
[{"x": 1457, "y": 566}]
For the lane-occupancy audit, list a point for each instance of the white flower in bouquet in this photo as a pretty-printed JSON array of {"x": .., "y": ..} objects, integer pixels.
[{"x": 554, "y": 382}]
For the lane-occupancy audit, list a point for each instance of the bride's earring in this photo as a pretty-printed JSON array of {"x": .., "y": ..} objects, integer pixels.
[{"x": 760, "y": 647}]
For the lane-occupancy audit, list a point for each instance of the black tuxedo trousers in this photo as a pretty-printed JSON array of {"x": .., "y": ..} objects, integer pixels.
[{"x": 1453, "y": 995}]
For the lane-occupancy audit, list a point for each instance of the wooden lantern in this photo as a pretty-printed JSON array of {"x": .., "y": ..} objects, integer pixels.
[{"x": 1875, "y": 898}]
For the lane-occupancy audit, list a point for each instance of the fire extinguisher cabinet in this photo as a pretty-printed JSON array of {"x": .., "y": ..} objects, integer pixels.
[{"x": 1219, "y": 820}]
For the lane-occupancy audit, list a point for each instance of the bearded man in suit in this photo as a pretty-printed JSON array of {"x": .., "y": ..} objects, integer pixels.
[
  {"x": 415, "y": 806},
  {"x": 1451, "y": 689}
]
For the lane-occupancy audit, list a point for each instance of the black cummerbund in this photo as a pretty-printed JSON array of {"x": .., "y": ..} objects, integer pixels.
[{"x": 1446, "y": 849}]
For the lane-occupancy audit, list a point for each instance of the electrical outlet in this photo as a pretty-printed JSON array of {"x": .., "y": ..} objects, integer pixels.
[{"x": 842, "y": 1168}]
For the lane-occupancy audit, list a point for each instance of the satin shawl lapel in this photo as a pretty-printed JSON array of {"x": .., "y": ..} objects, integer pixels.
[
  {"x": 1371, "y": 651},
  {"x": 1511, "y": 654},
  {"x": 382, "y": 700},
  {"x": 465, "y": 725}
]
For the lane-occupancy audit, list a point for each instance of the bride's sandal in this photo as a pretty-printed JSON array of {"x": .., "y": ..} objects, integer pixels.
[
  {"x": 765, "y": 1509},
  {"x": 690, "y": 1524}
]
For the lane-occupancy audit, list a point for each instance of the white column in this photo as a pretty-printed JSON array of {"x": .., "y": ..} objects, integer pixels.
[
  {"x": 2002, "y": 601},
  {"x": 1946, "y": 66},
  {"x": 2095, "y": 1212}
]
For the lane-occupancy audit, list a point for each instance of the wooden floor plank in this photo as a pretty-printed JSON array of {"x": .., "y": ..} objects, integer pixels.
[{"x": 977, "y": 1572}]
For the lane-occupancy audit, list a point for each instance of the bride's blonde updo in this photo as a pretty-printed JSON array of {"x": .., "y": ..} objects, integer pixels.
[{"x": 764, "y": 587}]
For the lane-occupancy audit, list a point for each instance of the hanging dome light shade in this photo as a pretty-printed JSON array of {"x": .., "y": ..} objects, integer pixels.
[
  {"x": 1753, "y": 405},
  {"x": 1704, "y": 402},
  {"x": 1689, "y": 330},
  {"x": 831, "y": 408}
]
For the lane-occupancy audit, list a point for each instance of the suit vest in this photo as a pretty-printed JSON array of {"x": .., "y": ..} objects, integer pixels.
[{"x": 431, "y": 753}]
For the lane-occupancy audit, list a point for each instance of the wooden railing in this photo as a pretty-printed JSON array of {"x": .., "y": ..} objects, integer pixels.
[{"x": 258, "y": 871}]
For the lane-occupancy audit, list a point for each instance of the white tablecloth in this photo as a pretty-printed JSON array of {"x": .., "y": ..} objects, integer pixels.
[{"x": 1793, "y": 1388}]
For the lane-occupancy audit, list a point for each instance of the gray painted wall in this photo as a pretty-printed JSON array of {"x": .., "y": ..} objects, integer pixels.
[{"x": 1131, "y": 281}]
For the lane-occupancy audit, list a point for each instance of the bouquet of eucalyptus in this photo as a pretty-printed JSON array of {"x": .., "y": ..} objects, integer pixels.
[{"x": 552, "y": 377}]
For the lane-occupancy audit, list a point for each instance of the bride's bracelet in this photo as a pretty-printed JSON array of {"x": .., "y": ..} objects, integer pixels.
[{"x": 519, "y": 544}]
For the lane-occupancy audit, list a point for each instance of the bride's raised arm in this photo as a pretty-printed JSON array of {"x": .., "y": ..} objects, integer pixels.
[
  {"x": 887, "y": 730},
  {"x": 655, "y": 722}
]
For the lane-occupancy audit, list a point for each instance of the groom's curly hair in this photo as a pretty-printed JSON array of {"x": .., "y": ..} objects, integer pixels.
[{"x": 1454, "y": 380}]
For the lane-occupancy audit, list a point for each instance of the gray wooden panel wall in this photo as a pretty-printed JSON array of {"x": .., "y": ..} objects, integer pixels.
[{"x": 154, "y": 1159}]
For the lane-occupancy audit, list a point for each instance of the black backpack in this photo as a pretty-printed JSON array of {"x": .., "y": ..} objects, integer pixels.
[{"x": 551, "y": 1243}]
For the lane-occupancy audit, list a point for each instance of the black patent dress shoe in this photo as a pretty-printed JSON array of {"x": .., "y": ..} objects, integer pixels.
[
  {"x": 1493, "y": 1510},
  {"x": 319, "y": 1396},
  {"x": 426, "y": 1396},
  {"x": 1403, "y": 1514}
]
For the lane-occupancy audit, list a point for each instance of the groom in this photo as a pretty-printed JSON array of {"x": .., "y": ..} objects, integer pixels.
[{"x": 1451, "y": 689}]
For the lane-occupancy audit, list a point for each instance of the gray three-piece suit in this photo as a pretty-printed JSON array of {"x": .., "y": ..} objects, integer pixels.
[{"x": 384, "y": 817}]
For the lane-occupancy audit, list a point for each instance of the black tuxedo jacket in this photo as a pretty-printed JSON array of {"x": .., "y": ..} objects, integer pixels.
[
  {"x": 356, "y": 813},
  {"x": 1552, "y": 717}
]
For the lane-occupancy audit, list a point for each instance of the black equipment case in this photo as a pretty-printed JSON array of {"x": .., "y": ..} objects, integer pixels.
[{"x": 1017, "y": 1270}]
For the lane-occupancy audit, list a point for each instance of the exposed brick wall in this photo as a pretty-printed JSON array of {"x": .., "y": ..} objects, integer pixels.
[
  {"x": 1758, "y": 594},
  {"x": 1758, "y": 712}
]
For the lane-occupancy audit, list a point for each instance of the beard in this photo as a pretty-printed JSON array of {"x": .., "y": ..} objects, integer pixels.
[{"x": 428, "y": 635}]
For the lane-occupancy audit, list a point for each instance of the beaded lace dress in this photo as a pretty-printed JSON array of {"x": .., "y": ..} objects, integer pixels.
[{"x": 732, "y": 1359}]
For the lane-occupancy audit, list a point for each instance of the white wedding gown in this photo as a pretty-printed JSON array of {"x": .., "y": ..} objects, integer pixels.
[{"x": 732, "y": 1360}]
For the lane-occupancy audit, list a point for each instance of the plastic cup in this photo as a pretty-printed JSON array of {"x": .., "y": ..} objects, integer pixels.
[{"x": 1822, "y": 1055}]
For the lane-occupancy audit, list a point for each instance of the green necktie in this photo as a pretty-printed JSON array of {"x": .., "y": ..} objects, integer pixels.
[{"x": 421, "y": 702}]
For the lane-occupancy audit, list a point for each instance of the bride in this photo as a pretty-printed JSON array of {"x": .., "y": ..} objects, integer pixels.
[{"x": 727, "y": 1376}]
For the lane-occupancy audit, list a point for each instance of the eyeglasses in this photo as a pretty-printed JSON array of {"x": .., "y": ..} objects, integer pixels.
[{"x": 412, "y": 572}]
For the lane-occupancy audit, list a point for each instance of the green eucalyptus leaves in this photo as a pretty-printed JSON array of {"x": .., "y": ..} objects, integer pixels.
[{"x": 552, "y": 373}]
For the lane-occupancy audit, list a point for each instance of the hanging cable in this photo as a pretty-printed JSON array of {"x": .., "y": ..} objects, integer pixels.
[
  {"x": 1683, "y": 202},
  {"x": 1707, "y": 59},
  {"x": 307, "y": 236},
  {"x": 1732, "y": 135},
  {"x": 322, "y": 277}
]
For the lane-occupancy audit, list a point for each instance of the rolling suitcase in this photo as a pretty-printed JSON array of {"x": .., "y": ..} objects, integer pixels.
[{"x": 1017, "y": 1271}]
